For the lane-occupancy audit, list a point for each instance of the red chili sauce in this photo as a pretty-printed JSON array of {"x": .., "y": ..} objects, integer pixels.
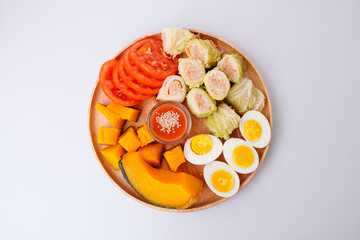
[{"x": 168, "y": 122}]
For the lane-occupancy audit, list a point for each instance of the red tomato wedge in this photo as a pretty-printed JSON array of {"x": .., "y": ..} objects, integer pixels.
[
  {"x": 119, "y": 83},
  {"x": 139, "y": 75},
  {"x": 109, "y": 88},
  {"x": 148, "y": 55},
  {"x": 133, "y": 83}
]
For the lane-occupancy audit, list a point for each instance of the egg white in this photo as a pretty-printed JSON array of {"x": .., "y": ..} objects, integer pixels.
[
  {"x": 265, "y": 126},
  {"x": 196, "y": 159},
  {"x": 228, "y": 150},
  {"x": 209, "y": 170}
]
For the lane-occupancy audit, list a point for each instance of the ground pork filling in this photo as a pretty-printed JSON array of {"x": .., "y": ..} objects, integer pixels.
[
  {"x": 217, "y": 85},
  {"x": 227, "y": 66},
  {"x": 175, "y": 88},
  {"x": 197, "y": 52},
  {"x": 202, "y": 103},
  {"x": 192, "y": 71}
]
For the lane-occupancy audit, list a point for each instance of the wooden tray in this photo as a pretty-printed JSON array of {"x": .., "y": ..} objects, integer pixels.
[{"x": 207, "y": 198}]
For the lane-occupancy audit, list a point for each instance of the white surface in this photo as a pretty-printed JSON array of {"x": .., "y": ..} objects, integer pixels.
[{"x": 51, "y": 186}]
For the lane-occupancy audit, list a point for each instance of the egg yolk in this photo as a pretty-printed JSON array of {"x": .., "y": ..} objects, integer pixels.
[
  {"x": 201, "y": 144},
  {"x": 222, "y": 181},
  {"x": 252, "y": 130},
  {"x": 243, "y": 156}
]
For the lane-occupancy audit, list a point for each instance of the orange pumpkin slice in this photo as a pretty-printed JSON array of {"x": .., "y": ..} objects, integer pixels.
[{"x": 160, "y": 187}]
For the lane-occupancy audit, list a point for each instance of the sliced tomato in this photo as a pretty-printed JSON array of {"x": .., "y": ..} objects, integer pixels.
[
  {"x": 139, "y": 75},
  {"x": 109, "y": 88},
  {"x": 148, "y": 55},
  {"x": 128, "y": 91},
  {"x": 133, "y": 83}
]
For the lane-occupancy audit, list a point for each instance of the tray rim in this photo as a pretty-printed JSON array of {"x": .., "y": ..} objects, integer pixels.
[{"x": 144, "y": 202}]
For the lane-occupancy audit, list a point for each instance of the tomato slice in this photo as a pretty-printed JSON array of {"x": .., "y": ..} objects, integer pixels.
[
  {"x": 128, "y": 91},
  {"x": 139, "y": 75},
  {"x": 109, "y": 88},
  {"x": 148, "y": 55},
  {"x": 133, "y": 83}
]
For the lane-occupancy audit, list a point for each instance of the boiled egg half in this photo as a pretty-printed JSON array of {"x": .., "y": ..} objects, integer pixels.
[
  {"x": 202, "y": 149},
  {"x": 255, "y": 128},
  {"x": 221, "y": 179},
  {"x": 240, "y": 155}
]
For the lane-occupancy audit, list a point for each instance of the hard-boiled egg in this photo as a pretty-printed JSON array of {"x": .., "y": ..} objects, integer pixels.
[
  {"x": 240, "y": 155},
  {"x": 221, "y": 179},
  {"x": 202, "y": 149},
  {"x": 255, "y": 128}
]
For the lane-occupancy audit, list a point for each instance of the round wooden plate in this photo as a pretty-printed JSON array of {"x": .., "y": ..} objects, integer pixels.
[{"x": 207, "y": 198}]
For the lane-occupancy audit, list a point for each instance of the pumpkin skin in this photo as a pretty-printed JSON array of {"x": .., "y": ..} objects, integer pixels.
[{"x": 160, "y": 187}]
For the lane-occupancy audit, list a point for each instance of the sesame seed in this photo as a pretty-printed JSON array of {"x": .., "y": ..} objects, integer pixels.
[{"x": 168, "y": 121}]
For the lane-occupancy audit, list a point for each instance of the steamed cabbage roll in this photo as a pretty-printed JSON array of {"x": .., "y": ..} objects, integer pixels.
[
  {"x": 173, "y": 89},
  {"x": 204, "y": 50},
  {"x": 217, "y": 84},
  {"x": 244, "y": 96},
  {"x": 222, "y": 122},
  {"x": 200, "y": 103},
  {"x": 192, "y": 71},
  {"x": 233, "y": 66}
]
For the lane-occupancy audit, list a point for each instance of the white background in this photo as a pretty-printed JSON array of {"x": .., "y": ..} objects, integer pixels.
[{"x": 51, "y": 185}]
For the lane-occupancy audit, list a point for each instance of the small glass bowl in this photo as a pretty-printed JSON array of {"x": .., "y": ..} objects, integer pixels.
[{"x": 187, "y": 114}]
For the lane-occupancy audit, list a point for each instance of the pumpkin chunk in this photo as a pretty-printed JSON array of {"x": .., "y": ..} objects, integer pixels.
[
  {"x": 129, "y": 140},
  {"x": 144, "y": 135},
  {"x": 152, "y": 153},
  {"x": 115, "y": 119},
  {"x": 108, "y": 136},
  {"x": 127, "y": 113},
  {"x": 113, "y": 154},
  {"x": 174, "y": 157},
  {"x": 158, "y": 186}
]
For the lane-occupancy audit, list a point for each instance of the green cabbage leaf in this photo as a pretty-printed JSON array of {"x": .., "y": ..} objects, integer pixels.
[
  {"x": 175, "y": 40},
  {"x": 223, "y": 121}
]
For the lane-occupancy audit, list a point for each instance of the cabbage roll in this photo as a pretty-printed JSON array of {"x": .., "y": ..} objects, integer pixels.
[
  {"x": 204, "y": 50},
  {"x": 200, "y": 103},
  {"x": 173, "y": 89},
  {"x": 217, "y": 84},
  {"x": 222, "y": 122},
  {"x": 192, "y": 71},
  {"x": 233, "y": 66}
]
